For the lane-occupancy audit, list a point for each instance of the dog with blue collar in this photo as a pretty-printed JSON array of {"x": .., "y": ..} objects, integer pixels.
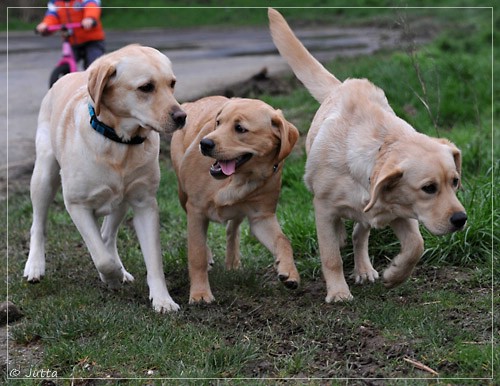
[{"x": 98, "y": 137}]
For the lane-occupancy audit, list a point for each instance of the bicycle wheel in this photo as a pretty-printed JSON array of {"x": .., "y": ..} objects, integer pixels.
[{"x": 58, "y": 72}]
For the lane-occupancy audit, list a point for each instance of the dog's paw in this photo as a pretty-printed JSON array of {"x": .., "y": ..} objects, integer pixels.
[
  {"x": 338, "y": 294},
  {"x": 233, "y": 264},
  {"x": 289, "y": 282},
  {"x": 394, "y": 276},
  {"x": 164, "y": 305},
  {"x": 201, "y": 297},
  {"x": 288, "y": 275},
  {"x": 113, "y": 281},
  {"x": 34, "y": 272},
  {"x": 361, "y": 277},
  {"x": 127, "y": 277}
]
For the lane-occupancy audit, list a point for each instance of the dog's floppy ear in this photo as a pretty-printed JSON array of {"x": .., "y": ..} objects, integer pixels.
[
  {"x": 455, "y": 152},
  {"x": 99, "y": 75},
  {"x": 383, "y": 179},
  {"x": 288, "y": 134}
]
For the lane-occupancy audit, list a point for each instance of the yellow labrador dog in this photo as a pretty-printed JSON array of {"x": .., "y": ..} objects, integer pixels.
[
  {"x": 249, "y": 141},
  {"x": 366, "y": 164},
  {"x": 98, "y": 137}
]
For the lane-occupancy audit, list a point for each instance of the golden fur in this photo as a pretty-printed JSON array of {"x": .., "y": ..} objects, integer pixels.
[
  {"x": 228, "y": 129},
  {"x": 366, "y": 164}
]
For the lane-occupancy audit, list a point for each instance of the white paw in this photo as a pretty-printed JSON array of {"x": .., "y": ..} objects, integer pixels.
[
  {"x": 363, "y": 276},
  {"x": 127, "y": 277},
  {"x": 34, "y": 271},
  {"x": 164, "y": 305}
]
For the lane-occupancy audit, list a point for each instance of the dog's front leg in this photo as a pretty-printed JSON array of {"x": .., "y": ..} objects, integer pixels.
[
  {"x": 269, "y": 233},
  {"x": 412, "y": 248},
  {"x": 329, "y": 249},
  {"x": 147, "y": 227},
  {"x": 197, "y": 257},
  {"x": 109, "y": 268},
  {"x": 363, "y": 269}
]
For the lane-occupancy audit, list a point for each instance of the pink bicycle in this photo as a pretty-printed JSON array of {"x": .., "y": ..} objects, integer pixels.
[{"x": 67, "y": 63}]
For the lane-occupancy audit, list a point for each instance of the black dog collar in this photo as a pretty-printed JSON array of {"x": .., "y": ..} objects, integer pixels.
[{"x": 109, "y": 132}]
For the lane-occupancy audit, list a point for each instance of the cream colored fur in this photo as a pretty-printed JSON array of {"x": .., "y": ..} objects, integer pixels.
[
  {"x": 100, "y": 177},
  {"x": 366, "y": 164}
]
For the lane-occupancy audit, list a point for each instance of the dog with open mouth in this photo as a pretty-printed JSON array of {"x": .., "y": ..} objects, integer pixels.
[{"x": 249, "y": 141}]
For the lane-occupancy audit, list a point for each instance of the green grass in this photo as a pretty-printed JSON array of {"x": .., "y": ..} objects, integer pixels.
[
  {"x": 440, "y": 317},
  {"x": 129, "y": 14}
]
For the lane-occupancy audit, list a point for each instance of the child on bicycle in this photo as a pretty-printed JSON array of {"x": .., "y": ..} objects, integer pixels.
[{"x": 87, "y": 42}]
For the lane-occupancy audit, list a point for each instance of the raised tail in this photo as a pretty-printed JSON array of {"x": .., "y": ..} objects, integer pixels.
[{"x": 316, "y": 78}]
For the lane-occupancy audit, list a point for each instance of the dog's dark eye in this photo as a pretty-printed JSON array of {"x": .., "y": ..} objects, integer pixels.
[
  {"x": 455, "y": 182},
  {"x": 430, "y": 189},
  {"x": 148, "y": 87},
  {"x": 217, "y": 122},
  {"x": 240, "y": 129}
]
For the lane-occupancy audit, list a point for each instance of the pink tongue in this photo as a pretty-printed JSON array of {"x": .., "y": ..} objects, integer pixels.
[{"x": 228, "y": 167}]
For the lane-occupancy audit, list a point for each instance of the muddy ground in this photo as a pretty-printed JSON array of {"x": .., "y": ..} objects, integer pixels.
[{"x": 360, "y": 351}]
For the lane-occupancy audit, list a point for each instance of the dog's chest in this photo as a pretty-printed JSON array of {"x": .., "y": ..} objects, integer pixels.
[
  {"x": 104, "y": 192},
  {"x": 222, "y": 214}
]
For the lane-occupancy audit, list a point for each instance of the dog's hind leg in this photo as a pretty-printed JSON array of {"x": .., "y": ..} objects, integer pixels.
[
  {"x": 412, "y": 248},
  {"x": 109, "y": 268},
  {"x": 109, "y": 231},
  {"x": 329, "y": 249},
  {"x": 269, "y": 233},
  {"x": 233, "y": 244},
  {"x": 44, "y": 183},
  {"x": 363, "y": 269}
]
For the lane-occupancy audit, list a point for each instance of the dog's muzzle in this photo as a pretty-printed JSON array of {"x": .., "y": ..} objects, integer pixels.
[
  {"x": 458, "y": 220},
  {"x": 222, "y": 168},
  {"x": 179, "y": 118},
  {"x": 207, "y": 146}
]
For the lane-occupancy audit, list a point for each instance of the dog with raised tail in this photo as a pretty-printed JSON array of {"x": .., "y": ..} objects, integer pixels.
[{"x": 366, "y": 164}]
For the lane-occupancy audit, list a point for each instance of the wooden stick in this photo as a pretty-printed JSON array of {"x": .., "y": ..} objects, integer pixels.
[{"x": 421, "y": 366}]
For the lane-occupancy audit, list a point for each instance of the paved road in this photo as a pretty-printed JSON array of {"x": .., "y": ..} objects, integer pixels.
[{"x": 204, "y": 60}]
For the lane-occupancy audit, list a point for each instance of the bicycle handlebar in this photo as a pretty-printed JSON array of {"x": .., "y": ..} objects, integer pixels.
[
  {"x": 59, "y": 27},
  {"x": 62, "y": 27}
]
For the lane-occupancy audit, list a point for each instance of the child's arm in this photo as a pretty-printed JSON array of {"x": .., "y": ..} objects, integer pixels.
[{"x": 91, "y": 14}]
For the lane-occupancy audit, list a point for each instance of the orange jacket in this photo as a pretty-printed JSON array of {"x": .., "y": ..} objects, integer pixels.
[{"x": 74, "y": 11}]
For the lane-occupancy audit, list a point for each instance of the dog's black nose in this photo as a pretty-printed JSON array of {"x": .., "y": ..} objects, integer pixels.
[
  {"x": 206, "y": 146},
  {"x": 179, "y": 117},
  {"x": 458, "y": 219}
]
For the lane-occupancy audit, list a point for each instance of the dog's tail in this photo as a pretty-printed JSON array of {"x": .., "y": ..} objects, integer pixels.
[{"x": 317, "y": 79}]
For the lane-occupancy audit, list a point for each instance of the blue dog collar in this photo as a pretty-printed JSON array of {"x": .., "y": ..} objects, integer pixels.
[{"x": 109, "y": 132}]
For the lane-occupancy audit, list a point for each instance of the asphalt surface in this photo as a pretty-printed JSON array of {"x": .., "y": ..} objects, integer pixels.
[{"x": 204, "y": 60}]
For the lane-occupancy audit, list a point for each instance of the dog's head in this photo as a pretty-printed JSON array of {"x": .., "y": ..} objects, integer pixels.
[
  {"x": 248, "y": 135},
  {"x": 137, "y": 84},
  {"x": 421, "y": 181}
]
